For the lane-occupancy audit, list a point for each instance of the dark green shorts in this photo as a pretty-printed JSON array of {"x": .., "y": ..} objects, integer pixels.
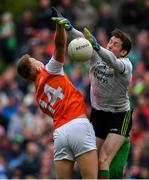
[{"x": 108, "y": 122}]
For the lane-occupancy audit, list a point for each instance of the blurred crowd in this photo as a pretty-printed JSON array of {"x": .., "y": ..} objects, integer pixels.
[{"x": 26, "y": 141}]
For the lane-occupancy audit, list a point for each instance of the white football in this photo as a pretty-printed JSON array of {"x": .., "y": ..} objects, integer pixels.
[{"x": 80, "y": 49}]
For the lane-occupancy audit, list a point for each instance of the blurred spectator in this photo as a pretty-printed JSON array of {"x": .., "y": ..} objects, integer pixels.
[
  {"x": 143, "y": 39},
  {"x": 129, "y": 12},
  {"x": 24, "y": 27},
  {"x": 16, "y": 156},
  {"x": 20, "y": 123},
  {"x": 144, "y": 108},
  {"x": 144, "y": 160},
  {"x": 140, "y": 155},
  {"x": 4, "y": 143},
  {"x": 76, "y": 77},
  {"x": 43, "y": 124},
  {"x": 8, "y": 43},
  {"x": 130, "y": 16},
  {"x": 45, "y": 165},
  {"x": 66, "y": 8},
  {"x": 145, "y": 58},
  {"x": 50, "y": 151},
  {"x": 38, "y": 46},
  {"x": 106, "y": 19},
  {"x": 49, "y": 49},
  {"x": 144, "y": 23},
  {"x": 45, "y": 138},
  {"x": 17, "y": 173},
  {"x": 8, "y": 110},
  {"x": 3, "y": 172},
  {"x": 31, "y": 162},
  {"x": 43, "y": 15},
  {"x": 136, "y": 132},
  {"x": 24, "y": 30},
  {"x": 85, "y": 15}
]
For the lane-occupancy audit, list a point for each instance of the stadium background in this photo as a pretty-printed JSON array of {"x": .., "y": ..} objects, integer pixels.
[{"x": 26, "y": 143}]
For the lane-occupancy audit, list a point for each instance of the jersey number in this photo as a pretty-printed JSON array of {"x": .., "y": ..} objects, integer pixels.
[{"x": 48, "y": 90}]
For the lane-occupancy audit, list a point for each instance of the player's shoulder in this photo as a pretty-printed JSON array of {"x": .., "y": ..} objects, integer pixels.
[
  {"x": 127, "y": 63},
  {"x": 55, "y": 67},
  {"x": 126, "y": 60}
]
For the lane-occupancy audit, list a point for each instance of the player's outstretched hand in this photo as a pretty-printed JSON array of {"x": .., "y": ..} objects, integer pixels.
[
  {"x": 65, "y": 23},
  {"x": 91, "y": 39},
  {"x": 59, "y": 19}
]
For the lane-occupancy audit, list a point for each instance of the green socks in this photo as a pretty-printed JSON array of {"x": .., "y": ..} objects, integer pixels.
[{"x": 103, "y": 174}]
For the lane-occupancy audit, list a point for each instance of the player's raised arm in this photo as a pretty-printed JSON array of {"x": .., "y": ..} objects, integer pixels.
[
  {"x": 66, "y": 24},
  {"x": 60, "y": 44},
  {"x": 55, "y": 64},
  {"x": 106, "y": 55}
]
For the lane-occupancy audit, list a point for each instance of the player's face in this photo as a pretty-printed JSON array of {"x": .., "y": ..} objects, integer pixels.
[
  {"x": 115, "y": 45},
  {"x": 37, "y": 65}
]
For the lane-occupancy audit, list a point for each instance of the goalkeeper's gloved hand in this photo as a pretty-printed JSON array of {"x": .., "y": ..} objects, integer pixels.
[
  {"x": 65, "y": 23},
  {"x": 91, "y": 39},
  {"x": 59, "y": 19}
]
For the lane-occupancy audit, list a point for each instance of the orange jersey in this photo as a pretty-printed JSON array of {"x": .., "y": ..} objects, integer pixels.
[{"x": 58, "y": 98}]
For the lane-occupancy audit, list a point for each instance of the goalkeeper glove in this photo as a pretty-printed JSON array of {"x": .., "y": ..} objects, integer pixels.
[
  {"x": 59, "y": 19},
  {"x": 65, "y": 23},
  {"x": 91, "y": 39}
]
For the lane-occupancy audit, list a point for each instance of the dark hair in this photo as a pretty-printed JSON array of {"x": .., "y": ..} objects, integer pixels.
[
  {"x": 125, "y": 38},
  {"x": 24, "y": 67}
]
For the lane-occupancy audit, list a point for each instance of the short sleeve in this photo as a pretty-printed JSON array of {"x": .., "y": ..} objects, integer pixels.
[{"x": 54, "y": 67}]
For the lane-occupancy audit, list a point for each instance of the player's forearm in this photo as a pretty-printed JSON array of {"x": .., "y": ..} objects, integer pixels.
[
  {"x": 60, "y": 44},
  {"x": 60, "y": 37},
  {"x": 74, "y": 33},
  {"x": 112, "y": 61}
]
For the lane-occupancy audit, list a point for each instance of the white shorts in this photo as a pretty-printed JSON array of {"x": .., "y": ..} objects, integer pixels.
[{"x": 73, "y": 139}]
